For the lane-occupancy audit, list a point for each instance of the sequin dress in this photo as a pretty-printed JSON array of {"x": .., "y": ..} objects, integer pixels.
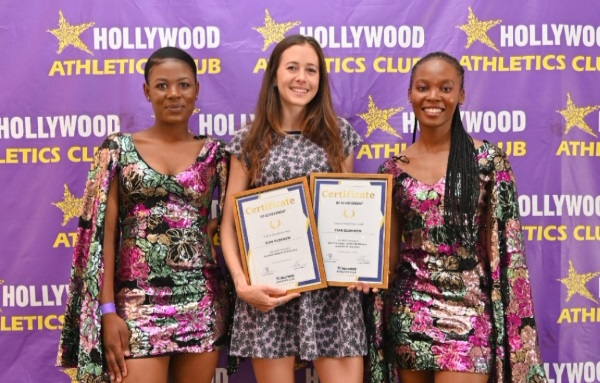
[
  {"x": 450, "y": 308},
  {"x": 321, "y": 323},
  {"x": 169, "y": 290}
]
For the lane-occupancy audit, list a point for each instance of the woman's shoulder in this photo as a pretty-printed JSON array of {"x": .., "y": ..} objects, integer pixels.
[
  {"x": 486, "y": 148},
  {"x": 491, "y": 157},
  {"x": 115, "y": 140},
  {"x": 392, "y": 166},
  {"x": 241, "y": 133},
  {"x": 342, "y": 121}
]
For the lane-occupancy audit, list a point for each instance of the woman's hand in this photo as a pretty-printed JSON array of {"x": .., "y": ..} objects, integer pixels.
[
  {"x": 362, "y": 286},
  {"x": 115, "y": 337},
  {"x": 264, "y": 297}
]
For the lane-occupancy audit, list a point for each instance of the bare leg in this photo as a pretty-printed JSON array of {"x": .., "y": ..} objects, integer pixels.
[
  {"x": 407, "y": 376},
  {"x": 340, "y": 370},
  {"x": 459, "y": 377},
  {"x": 193, "y": 368},
  {"x": 147, "y": 370},
  {"x": 280, "y": 370}
]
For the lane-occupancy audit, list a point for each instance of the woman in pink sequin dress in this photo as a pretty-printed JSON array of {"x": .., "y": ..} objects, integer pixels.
[{"x": 144, "y": 251}]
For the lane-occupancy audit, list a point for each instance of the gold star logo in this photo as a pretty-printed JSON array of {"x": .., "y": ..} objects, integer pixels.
[
  {"x": 377, "y": 119},
  {"x": 574, "y": 116},
  {"x": 476, "y": 30},
  {"x": 72, "y": 373},
  {"x": 68, "y": 34},
  {"x": 70, "y": 206},
  {"x": 576, "y": 283},
  {"x": 273, "y": 32}
]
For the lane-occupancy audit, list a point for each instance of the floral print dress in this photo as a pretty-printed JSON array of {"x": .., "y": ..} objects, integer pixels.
[
  {"x": 321, "y": 323},
  {"x": 168, "y": 288},
  {"x": 448, "y": 308}
]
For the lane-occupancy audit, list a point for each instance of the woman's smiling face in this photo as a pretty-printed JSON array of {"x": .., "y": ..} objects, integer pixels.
[
  {"x": 297, "y": 77},
  {"x": 436, "y": 90}
]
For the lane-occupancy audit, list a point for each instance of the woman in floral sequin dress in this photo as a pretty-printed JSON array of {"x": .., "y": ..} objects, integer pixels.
[
  {"x": 294, "y": 133},
  {"x": 460, "y": 307},
  {"x": 144, "y": 243}
]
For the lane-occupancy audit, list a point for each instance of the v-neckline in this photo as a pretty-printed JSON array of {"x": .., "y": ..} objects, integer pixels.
[
  {"x": 430, "y": 185},
  {"x": 478, "y": 150},
  {"x": 141, "y": 158}
]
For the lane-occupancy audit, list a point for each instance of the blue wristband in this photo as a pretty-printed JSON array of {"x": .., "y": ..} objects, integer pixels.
[{"x": 108, "y": 308}]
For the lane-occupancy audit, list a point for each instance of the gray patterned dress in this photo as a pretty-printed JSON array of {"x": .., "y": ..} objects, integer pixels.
[{"x": 321, "y": 323}]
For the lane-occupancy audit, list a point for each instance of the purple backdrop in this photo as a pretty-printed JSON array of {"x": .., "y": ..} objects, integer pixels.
[{"x": 71, "y": 74}]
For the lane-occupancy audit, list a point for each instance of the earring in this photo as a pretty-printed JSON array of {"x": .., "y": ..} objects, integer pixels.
[{"x": 148, "y": 98}]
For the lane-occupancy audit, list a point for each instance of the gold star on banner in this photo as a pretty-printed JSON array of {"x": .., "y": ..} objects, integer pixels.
[
  {"x": 68, "y": 34},
  {"x": 70, "y": 206},
  {"x": 377, "y": 118},
  {"x": 574, "y": 116},
  {"x": 273, "y": 32},
  {"x": 72, "y": 373},
  {"x": 576, "y": 283},
  {"x": 476, "y": 30}
]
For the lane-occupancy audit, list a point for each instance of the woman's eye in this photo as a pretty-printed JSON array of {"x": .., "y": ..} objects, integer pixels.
[
  {"x": 185, "y": 85},
  {"x": 161, "y": 86}
]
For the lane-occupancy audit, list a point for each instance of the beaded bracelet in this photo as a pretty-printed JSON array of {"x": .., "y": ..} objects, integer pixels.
[{"x": 108, "y": 308}]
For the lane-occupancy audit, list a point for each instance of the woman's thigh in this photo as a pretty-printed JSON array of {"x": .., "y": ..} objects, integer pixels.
[
  {"x": 147, "y": 370},
  {"x": 340, "y": 370},
  {"x": 193, "y": 368},
  {"x": 279, "y": 370}
]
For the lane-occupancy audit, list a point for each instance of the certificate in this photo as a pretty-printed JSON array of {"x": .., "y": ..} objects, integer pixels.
[
  {"x": 277, "y": 236},
  {"x": 353, "y": 219}
]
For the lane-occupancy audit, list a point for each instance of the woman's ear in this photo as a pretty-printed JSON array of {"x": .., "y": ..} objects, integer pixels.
[
  {"x": 461, "y": 97},
  {"x": 146, "y": 90}
]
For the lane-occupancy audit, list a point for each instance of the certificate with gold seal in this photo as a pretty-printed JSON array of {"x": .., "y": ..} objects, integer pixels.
[
  {"x": 353, "y": 213},
  {"x": 277, "y": 236}
]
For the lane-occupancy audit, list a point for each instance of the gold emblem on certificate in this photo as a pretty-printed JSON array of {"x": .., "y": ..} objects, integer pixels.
[
  {"x": 277, "y": 236},
  {"x": 353, "y": 213}
]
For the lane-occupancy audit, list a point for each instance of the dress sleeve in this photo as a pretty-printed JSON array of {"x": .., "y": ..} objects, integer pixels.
[
  {"x": 234, "y": 147},
  {"x": 80, "y": 342},
  {"x": 515, "y": 332},
  {"x": 350, "y": 138}
]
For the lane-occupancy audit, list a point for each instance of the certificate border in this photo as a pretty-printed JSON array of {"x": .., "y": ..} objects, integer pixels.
[
  {"x": 384, "y": 255},
  {"x": 300, "y": 184}
]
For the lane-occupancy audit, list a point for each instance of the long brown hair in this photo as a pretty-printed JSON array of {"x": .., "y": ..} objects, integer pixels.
[{"x": 319, "y": 124}]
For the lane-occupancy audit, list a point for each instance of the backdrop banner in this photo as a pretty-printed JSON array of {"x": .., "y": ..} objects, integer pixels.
[{"x": 72, "y": 74}]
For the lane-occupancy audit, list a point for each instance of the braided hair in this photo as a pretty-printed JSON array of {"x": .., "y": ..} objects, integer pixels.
[{"x": 461, "y": 194}]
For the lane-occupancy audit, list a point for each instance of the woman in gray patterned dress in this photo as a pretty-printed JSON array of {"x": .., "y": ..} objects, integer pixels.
[{"x": 295, "y": 132}]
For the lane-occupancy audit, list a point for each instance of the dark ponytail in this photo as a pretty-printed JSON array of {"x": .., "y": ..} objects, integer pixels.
[{"x": 462, "y": 183}]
